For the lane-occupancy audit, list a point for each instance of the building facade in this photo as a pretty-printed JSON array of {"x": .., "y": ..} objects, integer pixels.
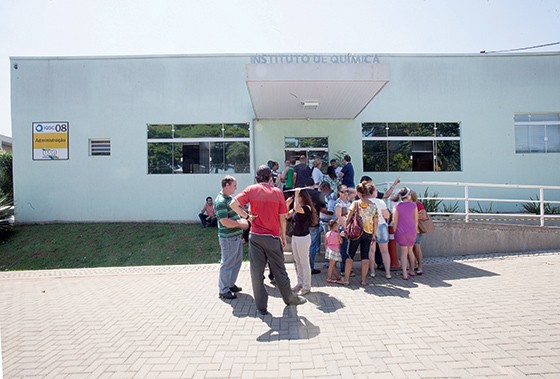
[{"x": 148, "y": 138}]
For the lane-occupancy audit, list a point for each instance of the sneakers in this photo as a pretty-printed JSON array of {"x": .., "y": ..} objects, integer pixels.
[
  {"x": 388, "y": 275},
  {"x": 315, "y": 271},
  {"x": 305, "y": 292},
  {"x": 372, "y": 274},
  {"x": 297, "y": 288},
  {"x": 228, "y": 295},
  {"x": 297, "y": 300},
  {"x": 235, "y": 289}
]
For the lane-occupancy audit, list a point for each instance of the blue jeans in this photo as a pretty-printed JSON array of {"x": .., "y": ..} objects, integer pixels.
[
  {"x": 230, "y": 264},
  {"x": 315, "y": 232},
  {"x": 212, "y": 222}
]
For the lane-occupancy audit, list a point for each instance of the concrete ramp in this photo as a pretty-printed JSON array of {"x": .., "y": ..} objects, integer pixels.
[{"x": 455, "y": 238}]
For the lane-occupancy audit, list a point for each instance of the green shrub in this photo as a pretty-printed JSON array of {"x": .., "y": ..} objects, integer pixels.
[
  {"x": 6, "y": 175},
  {"x": 480, "y": 209},
  {"x": 451, "y": 208},
  {"x": 6, "y": 215},
  {"x": 431, "y": 205},
  {"x": 535, "y": 207}
]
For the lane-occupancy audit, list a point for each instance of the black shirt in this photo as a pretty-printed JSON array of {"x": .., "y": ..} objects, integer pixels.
[
  {"x": 303, "y": 172},
  {"x": 301, "y": 222}
]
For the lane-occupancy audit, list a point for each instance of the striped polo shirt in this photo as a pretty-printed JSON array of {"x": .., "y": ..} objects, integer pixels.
[{"x": 223, "y": 210}]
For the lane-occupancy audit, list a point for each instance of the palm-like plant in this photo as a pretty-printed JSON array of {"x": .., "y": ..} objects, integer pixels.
[
  {"x": 431, "y": 205},
  {"x": 6, "y": 214}
]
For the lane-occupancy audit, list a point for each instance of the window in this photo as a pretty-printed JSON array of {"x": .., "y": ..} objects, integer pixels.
[
  {"x": 537, "y": 133},
  {"x": 411, "y": 146},
  {"x": 198, "y": 148},
  {"x": 99, "y": 146}
]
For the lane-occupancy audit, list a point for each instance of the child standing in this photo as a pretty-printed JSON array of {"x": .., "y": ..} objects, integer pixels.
[
  {"x": 405, "y": 222},
  {"x": 332, "y": 253}
]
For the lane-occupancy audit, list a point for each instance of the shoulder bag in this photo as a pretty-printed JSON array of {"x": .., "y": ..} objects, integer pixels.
[
  {"x": 354, "y": 226},
  {"x": 426, "y": 225}
]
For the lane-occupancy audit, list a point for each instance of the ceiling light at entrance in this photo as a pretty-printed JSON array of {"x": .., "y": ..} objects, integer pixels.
[
  {"x": 310, "y": 104},
  {"x": 294, "y": 91}
]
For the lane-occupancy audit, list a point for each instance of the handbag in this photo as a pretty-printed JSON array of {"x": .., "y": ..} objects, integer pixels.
[
  {"x": 290, "y": 226},
  {"x": 354, "y": 226},
  {"x": 427, "y": 225}
]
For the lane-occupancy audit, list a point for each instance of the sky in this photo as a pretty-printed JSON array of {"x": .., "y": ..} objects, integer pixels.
[{"x": 152, "y": 27}]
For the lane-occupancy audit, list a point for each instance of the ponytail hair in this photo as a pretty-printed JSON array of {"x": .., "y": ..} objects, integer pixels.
[
  {"x": 362, "y": 188},
  {"x": 403, "y": 193}
]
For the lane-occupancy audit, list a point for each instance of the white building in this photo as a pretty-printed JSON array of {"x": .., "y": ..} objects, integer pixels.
[
  {"x": 5, "y": 143},
  {"x": 148, "y": 138}
]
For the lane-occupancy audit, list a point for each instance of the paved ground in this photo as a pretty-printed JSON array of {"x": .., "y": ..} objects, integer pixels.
[{"x": 481, "y": 317}]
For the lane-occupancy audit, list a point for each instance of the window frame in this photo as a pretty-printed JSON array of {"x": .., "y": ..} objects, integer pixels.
[
  {"x": 434, "y": 139},
  {"x": 533, "y": 147},
  {"x": 196, "y": 140}
]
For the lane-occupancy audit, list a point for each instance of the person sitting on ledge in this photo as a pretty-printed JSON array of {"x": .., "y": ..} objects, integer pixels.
[{"x": 207, "y": 215}]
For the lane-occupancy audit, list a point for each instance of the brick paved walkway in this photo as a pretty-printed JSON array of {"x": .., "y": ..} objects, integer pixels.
[{"x": 483, "y": 317}]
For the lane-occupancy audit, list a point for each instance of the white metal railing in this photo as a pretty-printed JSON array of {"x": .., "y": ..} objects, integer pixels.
[{"x": 468, "y": 200}]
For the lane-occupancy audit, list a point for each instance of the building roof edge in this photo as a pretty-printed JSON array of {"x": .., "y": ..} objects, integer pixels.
[{"x": 248, "y": 55}]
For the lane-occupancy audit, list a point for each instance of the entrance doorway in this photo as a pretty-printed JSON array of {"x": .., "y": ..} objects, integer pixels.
[{"x": 310, "y": 147}]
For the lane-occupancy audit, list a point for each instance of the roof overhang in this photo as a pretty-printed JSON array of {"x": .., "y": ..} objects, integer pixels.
[{"x": 313, "y": 91}]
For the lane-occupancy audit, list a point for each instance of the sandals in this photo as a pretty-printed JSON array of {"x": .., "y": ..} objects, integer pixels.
[
  {"x": 333, "y": 280},
  {"x": 343, "y": 282}
]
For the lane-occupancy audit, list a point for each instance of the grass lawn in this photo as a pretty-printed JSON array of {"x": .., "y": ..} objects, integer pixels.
[{"x": 52, "y": 246}]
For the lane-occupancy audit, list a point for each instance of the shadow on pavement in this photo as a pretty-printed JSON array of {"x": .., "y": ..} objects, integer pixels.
[
  {"x": 440, "y": 275},
  {"x": 324, "y": 301},
  {"x": 289, "y": 326},
  {"x": 388, "y": 289}
]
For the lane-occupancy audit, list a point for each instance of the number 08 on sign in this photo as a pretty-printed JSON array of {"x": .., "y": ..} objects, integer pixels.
[{"x": 50, "y": 140}]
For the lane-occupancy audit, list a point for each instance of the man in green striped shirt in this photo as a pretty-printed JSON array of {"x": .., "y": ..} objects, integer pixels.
[{"x": 230, "y": 235}]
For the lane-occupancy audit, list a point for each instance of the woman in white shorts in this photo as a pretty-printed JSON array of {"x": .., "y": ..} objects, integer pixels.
[{"x": 382, "y": 234}]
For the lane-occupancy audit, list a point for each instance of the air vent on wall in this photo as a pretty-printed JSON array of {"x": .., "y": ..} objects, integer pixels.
[{"x": 100, "y": 146}]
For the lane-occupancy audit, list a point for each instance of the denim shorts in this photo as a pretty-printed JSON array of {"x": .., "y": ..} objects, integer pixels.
[
  {"x": 418, "y": 239},
  {"x": 382, "y": 234}
]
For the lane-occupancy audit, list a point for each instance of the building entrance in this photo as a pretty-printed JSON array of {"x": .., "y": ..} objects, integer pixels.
[{"x": 310, "y": 147}]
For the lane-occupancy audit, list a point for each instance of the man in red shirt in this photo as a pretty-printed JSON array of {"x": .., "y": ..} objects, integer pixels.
[{"x": 267, "y": 237}]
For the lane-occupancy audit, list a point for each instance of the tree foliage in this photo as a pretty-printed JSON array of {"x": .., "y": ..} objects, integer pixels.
[{"x": 6, "y": 175}]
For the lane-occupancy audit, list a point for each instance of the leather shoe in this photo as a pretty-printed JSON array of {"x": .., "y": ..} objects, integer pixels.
[
  {"x": 315, "y": 271},
  {"x": 228, "y": 295},
  {"x": 235, "y": 289},
  {"x": 262, "y": 312}
]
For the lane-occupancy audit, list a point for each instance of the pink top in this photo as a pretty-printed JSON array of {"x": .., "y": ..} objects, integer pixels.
[
  {"x": 209, "y": 210},
  {"x": 331, "y": 240},
  {"x": 406, "y": 226},
  {"x": 267, "y": 203}
]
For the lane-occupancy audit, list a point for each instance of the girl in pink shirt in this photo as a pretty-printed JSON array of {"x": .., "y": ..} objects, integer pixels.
[{"x": 332, "y": 253}]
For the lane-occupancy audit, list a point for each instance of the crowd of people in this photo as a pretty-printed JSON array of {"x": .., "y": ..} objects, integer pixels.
[{"x": 304, "y": 203}]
